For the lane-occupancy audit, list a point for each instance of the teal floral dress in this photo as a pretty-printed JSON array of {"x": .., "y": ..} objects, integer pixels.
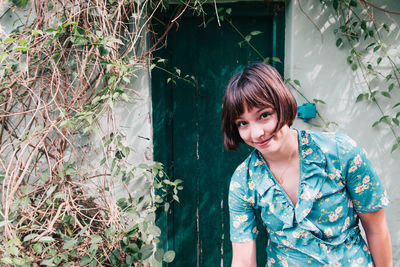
[{"x": 337, "y": 181}]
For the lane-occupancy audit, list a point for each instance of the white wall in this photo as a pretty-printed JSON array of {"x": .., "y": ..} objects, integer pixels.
[{"x": 314, "y": 59}]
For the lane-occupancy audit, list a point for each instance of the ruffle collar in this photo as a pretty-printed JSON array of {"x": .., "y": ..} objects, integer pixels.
[{"x": 312, "y": 177}]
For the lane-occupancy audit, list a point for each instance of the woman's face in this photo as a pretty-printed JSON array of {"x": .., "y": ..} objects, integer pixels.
[{"x": 256, "y": 128}]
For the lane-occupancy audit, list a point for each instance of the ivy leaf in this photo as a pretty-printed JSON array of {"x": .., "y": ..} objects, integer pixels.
[
  {"x": 254, "y": 33},
  {"x": 30, "y": 237},
  {"x": 364, "y": 25},
  {"x": 376, "y": 48},
  {"x": 85, "y": 260},
  {"x": 70, "y": 243},
  {"x": 335, "y": 4},
  {"x": 361, "y": 97},
  {"x": 339, "y": 42},
  {"x": 371, "y": 44},
  {"x": 169, "y": 256},
  {"x": 319, "y": 101},
  {"x": 46, "y": 239},
  {"x": 387, "y": 28},
  {"x": 276, "y": 59},
  {"x": 397, "y": 104},
  {"x": 394, "y": 147},
  {"x": 353, "y": 3},
  {"x": 371, "y": 33}
]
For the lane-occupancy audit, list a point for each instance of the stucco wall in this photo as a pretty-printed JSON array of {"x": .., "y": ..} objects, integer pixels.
[{"x": 321, "y": 68}]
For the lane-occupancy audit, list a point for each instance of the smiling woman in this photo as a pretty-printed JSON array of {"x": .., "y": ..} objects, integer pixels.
[{"x": 312, "y": 188}]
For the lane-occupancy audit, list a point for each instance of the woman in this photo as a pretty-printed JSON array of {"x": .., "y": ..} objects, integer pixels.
[{"x": 312, "y": 188}]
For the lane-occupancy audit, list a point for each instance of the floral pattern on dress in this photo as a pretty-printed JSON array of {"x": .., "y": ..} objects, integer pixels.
[{"x": 336, "y": 181}]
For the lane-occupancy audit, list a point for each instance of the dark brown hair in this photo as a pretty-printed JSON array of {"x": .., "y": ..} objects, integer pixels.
[{"x": 259, "y": 85}]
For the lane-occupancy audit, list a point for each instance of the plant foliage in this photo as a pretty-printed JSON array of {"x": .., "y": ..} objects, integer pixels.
[{"x": 63, "y": 69}]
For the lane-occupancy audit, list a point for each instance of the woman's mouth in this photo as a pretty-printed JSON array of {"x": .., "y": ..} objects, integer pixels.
[{"x": 263, "y": 143}]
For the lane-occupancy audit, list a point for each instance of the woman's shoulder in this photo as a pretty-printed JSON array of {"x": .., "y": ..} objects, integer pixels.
[
  {"x": 243, "y": 168},
  {"x": 327, "y": 139}
]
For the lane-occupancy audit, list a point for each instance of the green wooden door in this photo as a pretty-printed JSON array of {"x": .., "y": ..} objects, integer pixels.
[{"x": 187, "y": 118}]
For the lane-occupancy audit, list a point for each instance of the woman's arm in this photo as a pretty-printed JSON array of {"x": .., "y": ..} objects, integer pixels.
[
  {"x": 244, "y": 254},
  {"x": 377, "y": 232}
]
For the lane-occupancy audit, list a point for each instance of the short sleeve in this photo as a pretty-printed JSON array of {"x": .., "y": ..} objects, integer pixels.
[
  {"x": 241, "y": 207},
  {"x": 363, "y": 184}
]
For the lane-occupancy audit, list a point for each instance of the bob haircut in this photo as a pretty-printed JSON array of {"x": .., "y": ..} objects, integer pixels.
[{"x": 259, "y": 85}]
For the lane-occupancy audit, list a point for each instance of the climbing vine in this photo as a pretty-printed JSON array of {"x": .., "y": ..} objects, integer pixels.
[
  {"x": 71, "y": 193},
  {"x": 367, "y": 38}
]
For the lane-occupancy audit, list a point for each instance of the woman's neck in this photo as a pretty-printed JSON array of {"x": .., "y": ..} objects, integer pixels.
[{"x": 288, "y": 149}]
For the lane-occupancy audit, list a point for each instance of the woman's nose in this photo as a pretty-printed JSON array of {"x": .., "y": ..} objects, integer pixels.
[{"x": 257, "y": 131}]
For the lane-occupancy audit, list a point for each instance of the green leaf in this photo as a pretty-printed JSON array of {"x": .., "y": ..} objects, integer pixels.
[
  {"x": 391, "y": 86},
  {"x": 30, "y": 237},
  {"x": 319, "y": 101},
  {"x": 375, "y": 123},
  {"x": 3, "y": 56},
  {"x": 376, "y": 48},
  {"x": 70, "y": 243},
  {"x": 396, "y": 121},
  {"x": 13, "y": 250},
  {"x": 38, "y": 248},
  {"x": 339, "y": 42},
  {"x": 146, "y": 251},
  {"x": 388, "y": 77},
  {"x": 297, "y": 82},
  {"x": 371, "y": 44},
  {"x": 371, "y": 33},
  {"x": 387, "y": 28},
  {"x": 379, "y": 60},
  {"x": 169, "y": 256},
  {"x": 85, "y": 260},
  {"x": 276, "y": 59},
  {"x": 394, "y": 147},
  {"x": 354, "y": 67},
  {"x": 396, "y": 105},
  {"x": 364, "y": 25},
  {"x": 247, "y": 38},
  {"x": 369, "y": 66},
  {"x": 228, "y": 11},
  {"x": 96, "y": 239},
  {"x": 350, "y": 59},
  {"x": 254, "y": 33},
  {"x": 47, "y": 262},
  {"x": 175, "y": 197},
  {"x": 7, "y": 260},
  {"x": 335, "y": 4},
  {"x": 51, "y": 190},
  {"x": 46, "y": 239},
  {"x": 386, "y": 94}
]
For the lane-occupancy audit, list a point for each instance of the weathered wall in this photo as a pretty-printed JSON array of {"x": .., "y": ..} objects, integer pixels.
[{"x": 314, "y": 59}]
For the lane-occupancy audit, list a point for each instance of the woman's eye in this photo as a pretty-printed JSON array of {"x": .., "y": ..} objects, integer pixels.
[
  {"x": 264, "y": 115},
  {"x": 241, "y": 123}
]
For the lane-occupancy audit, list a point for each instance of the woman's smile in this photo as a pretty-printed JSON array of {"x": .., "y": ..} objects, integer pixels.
[{"x": 263, "y": 143}]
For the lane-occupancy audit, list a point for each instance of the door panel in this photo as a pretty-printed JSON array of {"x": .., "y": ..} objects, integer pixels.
[{"x": 187, "y": 131}]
